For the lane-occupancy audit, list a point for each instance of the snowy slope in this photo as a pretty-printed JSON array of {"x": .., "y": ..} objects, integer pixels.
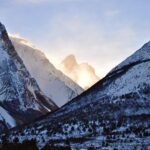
[
  {"x": 6, "y": 117},
  {"x": 21, "y": 99},
  {"x": 53, "y": 83},
  {"x": 114, "y": 113}
]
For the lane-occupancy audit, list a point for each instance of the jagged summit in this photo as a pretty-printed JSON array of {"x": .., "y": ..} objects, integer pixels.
[
  {"x": 82, "y": 73},
  {"x": 70, "y": 57},
  {"x": 69, "y": 62},
  {"x": 2, "y": 27},
  {"x": 7, "y": 46}
]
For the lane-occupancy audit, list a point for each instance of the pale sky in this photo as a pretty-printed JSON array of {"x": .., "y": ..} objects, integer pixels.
[{"x": 100, "y": 32}]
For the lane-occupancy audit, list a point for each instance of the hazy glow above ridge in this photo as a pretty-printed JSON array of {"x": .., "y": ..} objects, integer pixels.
[{"x": 102, "y": 33}]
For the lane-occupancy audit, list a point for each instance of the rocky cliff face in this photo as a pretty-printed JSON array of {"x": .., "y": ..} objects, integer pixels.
[
  {"x": 21, "y": 99},
  {"x": 52, "y": 82}
]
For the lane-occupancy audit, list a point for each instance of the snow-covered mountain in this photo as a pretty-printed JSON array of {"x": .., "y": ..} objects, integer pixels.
[
  {"x": 83, "y": 74},
  {"x": 52, "y": 82},
  {"x": 113, "y": 114},
  {"x": 21, "y": 99}
]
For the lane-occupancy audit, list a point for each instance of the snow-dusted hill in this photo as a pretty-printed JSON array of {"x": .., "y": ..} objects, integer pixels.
[
  {"x": 113, "y": 114},
  {"x": 52, "y": 82},
  {"x": 21, "y": 99}
]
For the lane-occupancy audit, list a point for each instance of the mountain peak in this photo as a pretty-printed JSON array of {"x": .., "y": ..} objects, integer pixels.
[
  {"x": 140, "y": 55},
  {"x": 3, "y": 33},
  {"x": 82, "y": 73},
  {"x": 2, "y": 27},
  {"x": 20, "y": 93},
  {"x": 146, "y": 44},
  {"x": 71, "y": 56},
  {"x": 70, "y": 59}
]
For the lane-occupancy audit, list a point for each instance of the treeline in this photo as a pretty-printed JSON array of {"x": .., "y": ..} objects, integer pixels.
[
  {"x": 32, "y": 145},
  {"x": 28, "y": 145}
]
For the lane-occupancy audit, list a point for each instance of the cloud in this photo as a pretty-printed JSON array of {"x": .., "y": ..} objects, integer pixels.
[
  {"x": 16, "y": 35},
  {"x": 112, "y": 13},
  {"x": 21, "y": 39},
  {"x": 31, "y": 1},
  {"x": 43, "y": 1}
]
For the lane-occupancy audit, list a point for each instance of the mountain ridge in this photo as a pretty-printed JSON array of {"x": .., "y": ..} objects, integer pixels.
[
  {"x": 20, "y": 96},
  {"x": 48, "y": 77},
  {"x": 114, "y": 113}
]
